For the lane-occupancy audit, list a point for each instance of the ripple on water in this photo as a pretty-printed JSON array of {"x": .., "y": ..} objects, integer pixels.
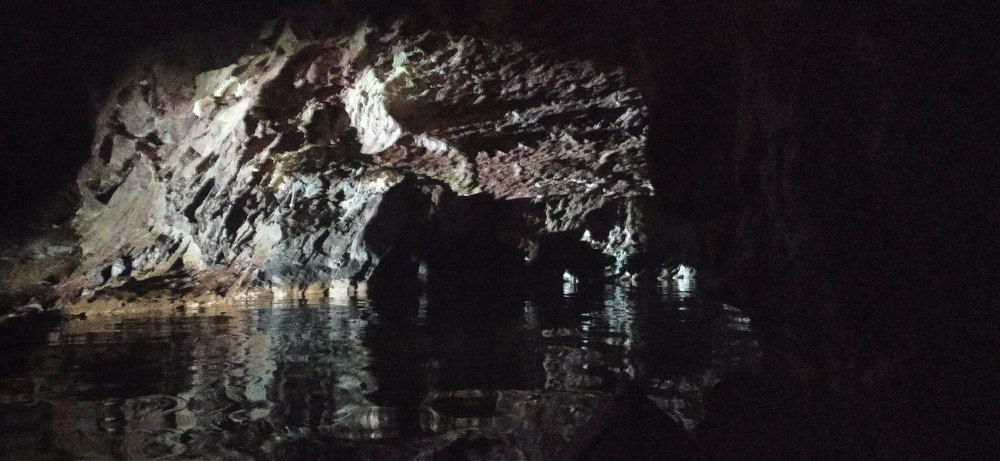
[{"x": 301, "y": 382}]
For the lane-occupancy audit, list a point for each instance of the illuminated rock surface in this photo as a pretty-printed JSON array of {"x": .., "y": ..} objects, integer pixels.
[
  {"x": 308, "y": 166},
  {"x": 830, "y": 166}
]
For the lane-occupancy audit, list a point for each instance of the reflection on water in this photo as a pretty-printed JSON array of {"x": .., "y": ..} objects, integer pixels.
[{"x": 353, "y": 382}]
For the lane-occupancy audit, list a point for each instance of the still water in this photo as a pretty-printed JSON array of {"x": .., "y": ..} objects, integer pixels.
[{"x": 349, "y": 380}]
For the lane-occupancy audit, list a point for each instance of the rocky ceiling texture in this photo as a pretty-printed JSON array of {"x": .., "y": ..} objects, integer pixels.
[
  {"x": 308, "y": 166},
  {"x": 788, "y": 143}
]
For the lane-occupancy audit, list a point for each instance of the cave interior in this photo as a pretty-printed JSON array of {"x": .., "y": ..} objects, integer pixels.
[{"x": 831, "y": 168}]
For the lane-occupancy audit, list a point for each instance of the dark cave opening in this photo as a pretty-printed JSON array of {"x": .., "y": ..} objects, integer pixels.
[{"x": 836, "y": 165}]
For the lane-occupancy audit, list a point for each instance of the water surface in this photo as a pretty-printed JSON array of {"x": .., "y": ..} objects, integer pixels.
[{"x": 352, "y": 380}]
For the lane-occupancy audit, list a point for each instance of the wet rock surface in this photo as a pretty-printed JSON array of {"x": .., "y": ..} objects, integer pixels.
[
  {"x": 31, "y": 267},
  {"x": 308, "y": 167}
]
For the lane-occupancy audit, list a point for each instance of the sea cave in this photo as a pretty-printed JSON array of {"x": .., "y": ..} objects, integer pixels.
[{"x": 499, "y": 230}]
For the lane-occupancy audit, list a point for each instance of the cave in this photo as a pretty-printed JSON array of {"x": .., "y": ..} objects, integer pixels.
[{"x": 499, "y": 229}]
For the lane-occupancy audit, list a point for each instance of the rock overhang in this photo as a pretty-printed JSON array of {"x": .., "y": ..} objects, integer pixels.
[{"x": 268, "y": 174}]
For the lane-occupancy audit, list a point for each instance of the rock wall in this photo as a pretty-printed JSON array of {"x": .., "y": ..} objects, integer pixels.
[
  {"x": 836, "y": 163},
  {"x": 309, "y": 166}
]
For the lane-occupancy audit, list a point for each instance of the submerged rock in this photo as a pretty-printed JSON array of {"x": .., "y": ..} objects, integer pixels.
[{"x": 310, "y": 167}]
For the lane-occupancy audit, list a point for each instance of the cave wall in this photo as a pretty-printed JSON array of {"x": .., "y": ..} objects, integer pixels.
[
  {"x": 797, "y": 138},
  {"x": 312, "y": 162},
  {"x": 837, "y": 163},
  {"x": 60, "y": 59}
]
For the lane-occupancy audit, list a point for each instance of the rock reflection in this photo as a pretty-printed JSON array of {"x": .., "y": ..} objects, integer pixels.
[{"x": 342, "y": 381}]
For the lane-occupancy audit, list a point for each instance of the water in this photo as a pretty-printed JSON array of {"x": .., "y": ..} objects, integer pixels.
[{"x": 354, "y": 381}]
